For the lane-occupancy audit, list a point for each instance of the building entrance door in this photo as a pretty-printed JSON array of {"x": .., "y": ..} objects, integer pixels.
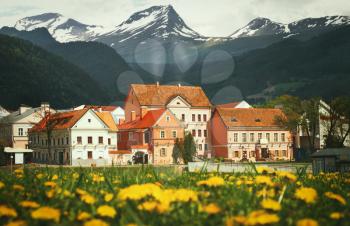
[
  {"x": 89, "y": 154},
  {"x": 264, "y": 153},
  {"x": 60, "y": 158}
]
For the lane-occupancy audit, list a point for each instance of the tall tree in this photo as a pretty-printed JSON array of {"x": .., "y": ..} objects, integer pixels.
[
  {"x": 189, "y": 148},
  {"x": 177, "y": 150}
]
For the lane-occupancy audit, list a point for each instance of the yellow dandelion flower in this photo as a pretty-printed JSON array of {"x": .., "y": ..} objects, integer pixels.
[
  {"x": 18, "y": 171},
  {"x": 271, "y": 204},
  {"x": 261, "y": 217},
  {"x": 106, "y": 211},
  {"x": 264, "y": 180},
  {"x": 39, "y": 175},
  {"x": 7, "y": 211},
  {"x": 18, "y": 187},
  {"x": 307, "y": 222},
  {"x": 212, "y": 182},
  {"x": 108, "y": 197},
  {"x": 182, "y": 195},
  {"x": 17, "y": 223},
  {"x": 29, "y": 204},
  {"x": 309, "y": 195},
  {"x": 2, "y": 185},
  {"x": 88, "y": 199},
  {"x": 212, "y": 208},
  {"x": 336, "y": 197},
  {"x": 81, "y": 191},
  {"x": 138, "y": 191},
  {"x": 287, "y": 175},
  {"x": 50, "y": 184},
  {"x": 336, "y": 215},
  {"x": 264, "y": 170},
  {"x": 151, "y": 206},
  {"x": 95, "y": 222},
  {"x": 82, "y": 216},
  {"x": 54, "y": 177},
  {"x": 50, "y": 193},
  {"x": 46, "y": 213}
]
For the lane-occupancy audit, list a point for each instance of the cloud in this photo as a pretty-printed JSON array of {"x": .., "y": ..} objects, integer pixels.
[{"x": 208, "y": 17}]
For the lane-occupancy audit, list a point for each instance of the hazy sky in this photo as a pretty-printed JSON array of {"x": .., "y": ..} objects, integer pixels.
[{"x": 208, "y": 17}]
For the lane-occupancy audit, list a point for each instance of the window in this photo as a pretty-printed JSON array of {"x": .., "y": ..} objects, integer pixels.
[
  {"x": 162, "y": 134},
  {"x": 244, "y": 137},
  {"x": 89, "y": 120},
  {"x": 67, "y": 140},
  {"x": 268, "y": 137},
  {"x": 79, "y": 140},
  {"x": 235, "y": 137},
  {"x": 205, "y": 133},
  {"x": 193, "y": 132},
  {"x": 131, "y": 136},
  {"x": 236, "y": 154},
  {"x": 193, "y": 117},
  {"x": 162, "y": 152},
  {"x": 89, "y": 140},
  {"x": 174, "y": 133},
  {"x": 252, "y": 154},
  {"x": 283, "y": 137},
  {"x": 168, "y": 118},
  {"x": 275, "y": 137},
  {"x": 259, "y": 136},
  {"x": 251, "y": 137},
  {"x": 54, "y": 141},
  {"x": 58, "y": 141},
  {"x": 89, "y": 154},
  {"x": 20, "y": 131},
  {"x": 205, "y": 147},
  {"x": 109, "y": 141},
  {"x": 183, "y": 117},
  {"x": 199, "y": 118},
  {"x": 200, "y": 147},
  {"x": 199, "y": 133},
  {"x": 284, "y": 153},
  {"x": 204, "y": 118},
  {"x": 276, "y": 153},
  {"x": 100, "y": 140}
]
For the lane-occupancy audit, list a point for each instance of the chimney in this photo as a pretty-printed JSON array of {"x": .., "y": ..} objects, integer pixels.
[
  {"x": 99, "y": 109},
  {"x": 179, "y": 85},
  {"x": 45, "y": 106},
  {"x": 157, "y": 83},
  {"x": 133, "y": 115},
  {"x": 23, "y": 108},
  {"x": 144, "y": 111}
]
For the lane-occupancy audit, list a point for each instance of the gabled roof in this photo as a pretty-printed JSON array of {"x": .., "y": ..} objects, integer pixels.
[
  {"x": 102, "y": 107},
  {"x": 107, "y": 118},
  {"x": 241, "y": 104},
  {"x": 250, "y": 117},
  {"x": 63, "y": 120},
  {"x": 16, "y": 116},
  {"x": 150, "y": 118},
  {"x": 160, "y": 95}
]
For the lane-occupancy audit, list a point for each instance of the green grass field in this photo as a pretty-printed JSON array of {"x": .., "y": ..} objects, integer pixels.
[{"x": 168, "y": 196}]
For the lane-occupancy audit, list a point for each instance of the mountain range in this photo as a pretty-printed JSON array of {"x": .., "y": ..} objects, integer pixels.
[{"x": 261, "y": 60}]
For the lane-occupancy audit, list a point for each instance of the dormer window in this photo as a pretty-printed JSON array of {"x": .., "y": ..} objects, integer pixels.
[
  {"x": 257, "y": 120},
  {"x": 233, "y": 119},
  {"x": 89, "y": 120},
  {"x": 178, "y": 103}
]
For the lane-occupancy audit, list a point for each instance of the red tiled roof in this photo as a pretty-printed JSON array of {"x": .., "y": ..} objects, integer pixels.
[
  {"x": 103, "y": 107},
  {"x": 250, "y": 117},
  {"x": 63, "y": 120},
  {"x": 114, "y": 152},
  {"x": 160, "y": 95},
  {"x": 228, "y": 105},
  {"x": 147, "y": 121},
  {"x": 107, "y": 118}
]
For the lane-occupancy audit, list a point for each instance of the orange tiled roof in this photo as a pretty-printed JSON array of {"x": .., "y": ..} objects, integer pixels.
[
  {"x": 63, "y": 120},
  {"x": 107, "y": 118},
  {"x": 103, "y": 107},
  {"x": 250, "y": 117},
  {"x": 228, "y": 105},
  {"x": 160, "y": 95},
  {"x": 147, "y": 121}
]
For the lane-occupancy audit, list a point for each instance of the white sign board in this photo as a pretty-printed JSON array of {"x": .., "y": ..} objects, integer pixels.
[{"x": 18, "y": 158}]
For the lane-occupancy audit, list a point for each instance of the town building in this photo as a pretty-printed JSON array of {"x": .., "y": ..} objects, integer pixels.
[
  {"x": 188, "y": 104},
  {"x": 14, "y": 127},
  {"x": 241, "y": 104},
  {"x": 3, "y": 112},
  {"x": 149, "y": 138},
  {"x": 117, "y": 112},
  {"x": 249, "y": 134},
  {"x": 79, "y": 138}
]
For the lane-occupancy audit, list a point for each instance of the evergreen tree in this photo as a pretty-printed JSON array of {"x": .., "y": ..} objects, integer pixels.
[
  {"x": 189, "y": 148},
  {"x": 177, "y": 150}
]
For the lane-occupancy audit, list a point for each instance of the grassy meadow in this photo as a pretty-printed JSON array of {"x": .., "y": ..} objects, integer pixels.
[{"x": 169, "y": 196}]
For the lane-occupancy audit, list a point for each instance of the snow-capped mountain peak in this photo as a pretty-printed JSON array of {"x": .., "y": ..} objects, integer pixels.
[
  {"x": 154, "y": 22},
  {"x": 63, "y": 29}
]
